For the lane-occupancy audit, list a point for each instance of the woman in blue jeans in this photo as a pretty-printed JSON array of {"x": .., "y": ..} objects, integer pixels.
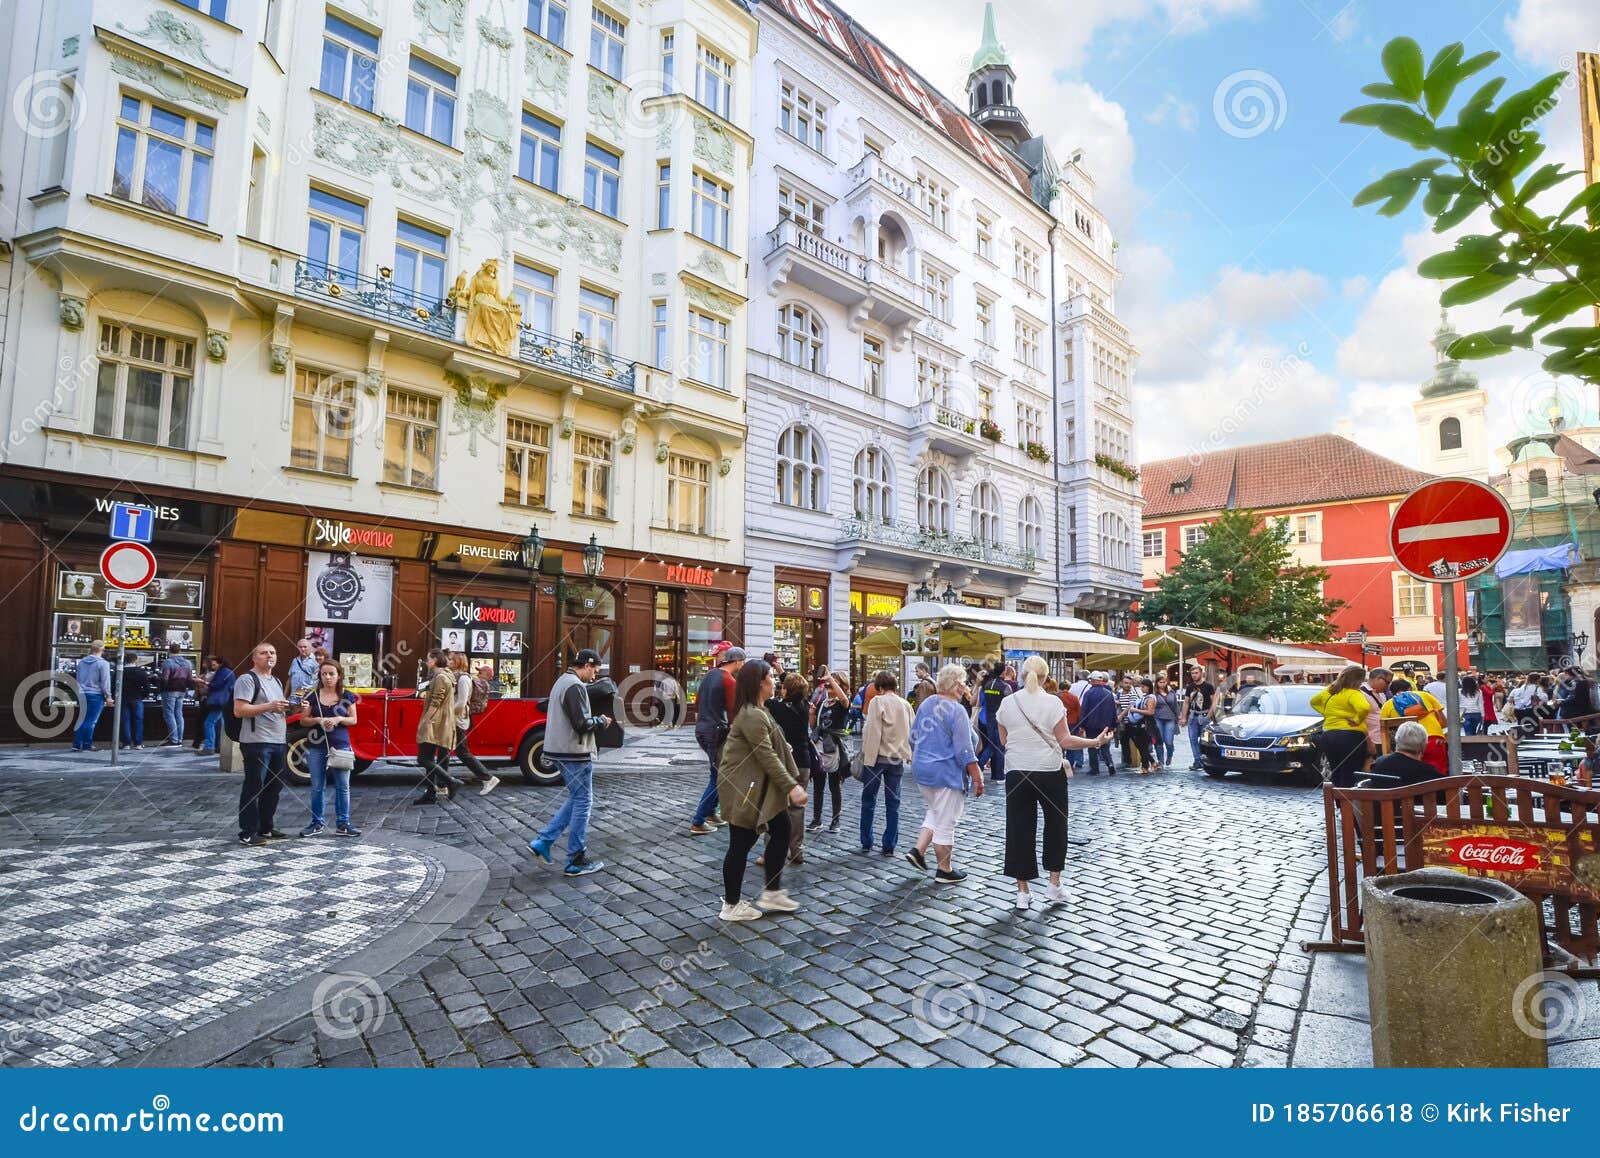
[
  {"x": 1166, "y": 720},
  {"x": 334, "y": 711}
]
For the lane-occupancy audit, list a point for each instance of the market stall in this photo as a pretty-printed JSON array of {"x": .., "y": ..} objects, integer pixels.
[
  {"x": 1166, "y": 644},
  {"x": 952, "y": 631}
]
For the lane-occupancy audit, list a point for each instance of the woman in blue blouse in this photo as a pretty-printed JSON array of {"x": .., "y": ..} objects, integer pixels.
[
  {"x": 329, "y": 712},
  {"x": 942, "y": 761}
]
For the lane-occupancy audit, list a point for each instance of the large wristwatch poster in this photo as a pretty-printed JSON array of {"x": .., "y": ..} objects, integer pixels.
[{"x": 346, "y": 588}]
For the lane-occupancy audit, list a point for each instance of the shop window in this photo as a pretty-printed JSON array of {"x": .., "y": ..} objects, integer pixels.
[
  {"x": 590, "y": 615},
  {"x": 144, "y": 386},
  {"x": 527, "y": 462},
  {"x": 487, "y": 630},
  {"x": 688, "y": 494},
  {"x": 324, "y": 418},
  {"x": 702, "y": 632},
  {"x": 411, "y": 440},
  {"x": 163, "y": 159},
  {"x": 591, "y": 475}
]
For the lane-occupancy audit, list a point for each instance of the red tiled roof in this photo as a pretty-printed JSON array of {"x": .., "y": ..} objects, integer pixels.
[
  {"x": 1297, "y": 472},
  {"x": 835, "y": 28}
]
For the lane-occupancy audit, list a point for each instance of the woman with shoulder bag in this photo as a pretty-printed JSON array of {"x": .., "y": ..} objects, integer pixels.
[
  {"x": 757, "y": 783},
  {"x": 327, "y": 748},
  {"x": 464, "y": 713},
  {"x": 1033, "y": 727},
  {"x": 793, "y": 713},
  {"x": 832, "y": 720}
]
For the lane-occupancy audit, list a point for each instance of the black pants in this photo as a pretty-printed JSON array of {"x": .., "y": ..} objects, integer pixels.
[
  {"x": 1026, "y": 793},
  {"x": 1136, "y": 737},
  {"x": 433, "y": 758},
  {"x": 473, "y": 765},
  {"x": 740, "y": 842},
  {"x": 821, "y": 779},
  {"x": 263, "y": 783},
  {"x": 1100, "y": 754},
  {"x": 1346, "y": 750}
]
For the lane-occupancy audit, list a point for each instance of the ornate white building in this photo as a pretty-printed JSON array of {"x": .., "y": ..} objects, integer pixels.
[
  {"x": 247, "y": 287},
  {"x": 939, "y": 390}
]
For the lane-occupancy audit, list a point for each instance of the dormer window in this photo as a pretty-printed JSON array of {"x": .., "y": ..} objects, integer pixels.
[{"x": 1180, "y": 486}]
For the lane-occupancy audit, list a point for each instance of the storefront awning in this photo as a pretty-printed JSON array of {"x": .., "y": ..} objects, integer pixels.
[
  {"x": 1162, "y": 645},
  {"x": 1534, "y": 559},
  {"x": 983, "y": 630}
]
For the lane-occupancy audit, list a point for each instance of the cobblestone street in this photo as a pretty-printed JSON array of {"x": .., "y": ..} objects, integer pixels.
[{"x": 1176, "y": 947}]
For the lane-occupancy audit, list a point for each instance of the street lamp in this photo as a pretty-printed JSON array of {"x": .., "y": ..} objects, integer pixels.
[
  {"x": 594, "y": 557},
  {"x": 951, "y": 596},
  {"x": 923, "y": 593},
  {"x": 1580, "y": 640},
  {"x": 532, "y": 549}
]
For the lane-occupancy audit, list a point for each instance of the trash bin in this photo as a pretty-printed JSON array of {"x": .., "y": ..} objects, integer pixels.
[{"x": 1446, "y": 954}]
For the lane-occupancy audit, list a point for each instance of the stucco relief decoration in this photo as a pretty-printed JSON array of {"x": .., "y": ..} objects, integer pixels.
[
  {"x": 372, "y": 381},
  {"x": 714, "y": 146},
  {"x": 709, "y": 265},
  {"x": 548, "y": 72},
  {"x": 606, "y": 100},
  {"x": 474, "y": 411},
  {"x": 658, "y": 279},
  {"x": 362, "y": 148},
  {"x": 263, "y": 121},
  {"x": 493, "y": 318},
  {"x": 71, "y": 312},
  {"x": 560, "y": 227},
  {"x": 630, "y": 435},
  {"x": 178, "y": 36},
  {"x": 69, "y": 46},
  {"x": 278, "y": 357},
  {"x": 709, "y": 299},
  {"x": 174, "y": 86},
  {"x": 442, "y": 21},
  {"x": 217, "y": 345},
  {"x": 663, "y": 452},
  {"x": 725, "y": 467}
]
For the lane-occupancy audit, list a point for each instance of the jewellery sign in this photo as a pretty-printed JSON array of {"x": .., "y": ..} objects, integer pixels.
[
  {"x": 1530, "y": 859},
  {"x": 348, "y": 588}
]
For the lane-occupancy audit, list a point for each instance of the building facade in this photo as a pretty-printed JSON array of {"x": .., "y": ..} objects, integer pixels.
[
  {"x": 931, "y": 306},
  {"x": 1337, "y": 499},
  {"x": 354, "y": 295}
]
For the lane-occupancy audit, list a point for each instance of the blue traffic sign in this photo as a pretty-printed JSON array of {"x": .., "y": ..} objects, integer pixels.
[{"x": 129, "y": 521}]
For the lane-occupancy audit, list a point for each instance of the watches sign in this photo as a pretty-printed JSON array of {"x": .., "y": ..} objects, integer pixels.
[{"x": 346, "y": 588}]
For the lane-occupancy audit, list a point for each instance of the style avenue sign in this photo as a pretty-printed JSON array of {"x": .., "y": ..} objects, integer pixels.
[
  {"x": 690, "y": 576},
  {"x": 466, "y": 612},
  {"x": 332, "y": 533}
]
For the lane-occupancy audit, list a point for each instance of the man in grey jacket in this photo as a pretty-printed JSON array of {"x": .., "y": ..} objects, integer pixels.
[{"x": 569, "y": 743}]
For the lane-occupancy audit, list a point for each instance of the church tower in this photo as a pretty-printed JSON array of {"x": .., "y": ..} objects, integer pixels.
[
  {"x": 989, "y": 88},
  {"x": 1451, "y": 426}
]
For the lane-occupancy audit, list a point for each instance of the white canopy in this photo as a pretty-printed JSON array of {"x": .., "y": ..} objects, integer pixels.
[
  {"x": 963, "y": 628},
  {"x": 1161, "y": 645}
]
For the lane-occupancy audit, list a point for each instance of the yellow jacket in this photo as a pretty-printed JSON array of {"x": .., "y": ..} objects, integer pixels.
[{"x": 1342, "y": 711}]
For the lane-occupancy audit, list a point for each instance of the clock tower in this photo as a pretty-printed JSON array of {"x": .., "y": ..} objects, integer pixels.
[{"x": 1451, "y": 432}]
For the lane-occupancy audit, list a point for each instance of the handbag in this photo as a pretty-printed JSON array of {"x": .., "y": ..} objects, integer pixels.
[
  {"x": 341, "y": 759},
  {"x": 1048, "y": 739}
]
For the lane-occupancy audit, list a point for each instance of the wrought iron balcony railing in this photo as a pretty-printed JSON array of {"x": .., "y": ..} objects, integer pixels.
[
  {"x": 936, "y": 543},
  {"x": 576, "y": 358},
  {"x": 376, "y": 297}
]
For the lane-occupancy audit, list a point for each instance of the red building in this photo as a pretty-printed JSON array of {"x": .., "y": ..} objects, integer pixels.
[{"x": 1337, "y": 499}]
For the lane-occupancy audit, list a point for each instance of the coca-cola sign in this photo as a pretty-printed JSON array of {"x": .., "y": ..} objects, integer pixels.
[{"x": 1494, "y": 854}]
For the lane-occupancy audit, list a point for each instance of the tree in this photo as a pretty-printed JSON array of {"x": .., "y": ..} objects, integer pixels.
[
  {"x": 1243, "y": 579},
  {"x": 1481, "y": 162}
]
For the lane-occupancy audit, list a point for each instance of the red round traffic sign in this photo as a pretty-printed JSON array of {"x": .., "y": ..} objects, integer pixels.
[
  {"x": 128, "y": 566},
  {"x": 1450, "y": 529}
]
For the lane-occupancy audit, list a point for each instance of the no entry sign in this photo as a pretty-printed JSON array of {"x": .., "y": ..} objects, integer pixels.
[
  {"x": 1450, "y": 529},
  {"x": 128, "y": 566}
]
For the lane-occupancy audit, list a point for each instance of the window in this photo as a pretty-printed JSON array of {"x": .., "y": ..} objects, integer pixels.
[
  {"x": 660, "y": 342},
  {"x": 874, "y": 485},
  {"x": 539, "y": 159},
  {"x": 985, "y": 320},
  {"x": 411, "y": 440},
  {"x": 605, "y": 43},
  {"x": 801, "y": 481},
  {"x": 1193, "y": 537},
  {"x": 984, "y": 246},
  {"x": 933, "y": 501},
  {"x": 937, "y": 203},
  {"x": 1450, "y": 434},
  {"x": 688, "y": 488},
  {"x": 1030, "y": 423},
  {"x": 986, "y": 402},
  {"x": 217, "y": 9},
  {"x": 1072, "y": 534},
  {"x": 324, "y": 419},
  {"x": 664, "y": 195},
  {"x": 349, "y": 62},
  {"x": 712, "y": 200},
  {"x": 669, "y": 62},
  {"x": 602, "y": 175},
  {"x": 800, "y": 338},
  {"x": 143, "y": 386},
  {"x": 802, "y": 117},
  {"x": 933, "y": 381},
  {"x": 1304, "y": 529},
  {"x": 548, "y": 19},
  {"x": 163, "y": 159},
  {"x": 597, "y": 318},
  {"x": 1031, "y": 521},
  {"x": 1538, "y": 484},
  {"x": 802, "y": 208},
  {"x": 535, "y": 291},
  {"x": 1116, "y": 544},
  {"x": 986, "y": 514},
  {"x": 1153, "y": 545},
  {"x": 1025, "y": 264},
  {"x": 708, "y": 349},
  {"x": 1410, "y": 595},
  {"x": 713, "y": 82},
  {"x": 419, "y": 254},
  {"x": 591, "y": 475},
  {"x": 431, "y": 100},
  {"x": 936, "y": 291},
  {"x": 872, "y": 365},
  {"x": 334, "y": 235},
  {"x": 256, "y": 207},
  {"x": 527, "y": 462},
  {"x": 1028, "y": 342}
]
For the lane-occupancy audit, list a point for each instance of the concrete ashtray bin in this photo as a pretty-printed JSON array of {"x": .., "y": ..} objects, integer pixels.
[{"x": 1446, "y": 954}]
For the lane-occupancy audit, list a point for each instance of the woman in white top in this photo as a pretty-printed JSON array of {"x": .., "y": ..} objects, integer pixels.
[{"x": 1033, "y": 728}]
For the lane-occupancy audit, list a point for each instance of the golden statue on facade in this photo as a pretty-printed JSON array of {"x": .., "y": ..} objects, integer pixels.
[{"x": 493, "y": 319}]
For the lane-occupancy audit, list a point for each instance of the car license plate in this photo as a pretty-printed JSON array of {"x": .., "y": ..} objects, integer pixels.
[{"x": 1240, "y": 754}]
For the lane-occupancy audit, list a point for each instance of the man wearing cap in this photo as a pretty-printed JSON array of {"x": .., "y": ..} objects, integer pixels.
[
  {"x": 711, "y": 704},
  {"x": 1098, "y": 712},
  {"x": 569, "y": 743}
]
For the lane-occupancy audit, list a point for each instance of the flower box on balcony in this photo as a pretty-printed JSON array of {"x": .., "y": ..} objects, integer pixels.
[
  {"x": 1117, "y": 467},
  {"x": 1036, "y": 451},
  {"x": 989, "y": 430}
]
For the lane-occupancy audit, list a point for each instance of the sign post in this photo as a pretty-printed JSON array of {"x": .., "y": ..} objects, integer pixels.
[
  {"x": 127, "y": 566},
  {"x": 1444, "y": 532}
]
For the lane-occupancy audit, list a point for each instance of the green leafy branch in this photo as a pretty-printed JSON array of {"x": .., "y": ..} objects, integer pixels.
[{"x": 1482, "y": 161}]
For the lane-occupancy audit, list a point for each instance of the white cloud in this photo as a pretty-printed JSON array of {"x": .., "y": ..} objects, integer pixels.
[
  {"x": 1548, "y": 32},
  {"x": 1174, "y": 110},
  {"x": 1354, "y": 287}
]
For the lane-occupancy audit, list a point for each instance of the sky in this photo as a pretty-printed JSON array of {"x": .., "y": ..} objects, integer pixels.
[{"x": 1263, "y": 304}]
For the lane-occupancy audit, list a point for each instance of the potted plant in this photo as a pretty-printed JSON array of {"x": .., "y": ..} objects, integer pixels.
[
  {"x": 989, "y": 429},
  {"x": 1036, "y": 451}
]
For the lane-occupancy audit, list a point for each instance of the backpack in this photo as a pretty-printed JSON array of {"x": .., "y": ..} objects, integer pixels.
[
  {"x": 479, "y": 699},
  {"x": 1408, "y": 704},
  {"x": 232, "y": 724}
]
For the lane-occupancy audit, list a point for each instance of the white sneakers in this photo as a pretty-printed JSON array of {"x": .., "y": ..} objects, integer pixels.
[
  {"x": 776, "y": 901},
  {"x": 1023, "y": 900},
  {"x": 743, "y": 911},
  {"x": 1055, "y": 893},
  {"x": 489, "y": 786}
]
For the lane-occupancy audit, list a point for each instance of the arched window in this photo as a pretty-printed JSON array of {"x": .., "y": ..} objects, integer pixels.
[
  {"x": 874, "y": 485},
  {"x": 800, "y": 338},
  {"x": 933, "y": 501},
  {"x": 801, "y": 482},
  {"x": 1450, "y": 434},
  {"x": 986, "y": 514},
  {"x": 1116, "y": 542},
  {"x": 1032, "y": 522},
  {"x": 1538, "y": 484}
]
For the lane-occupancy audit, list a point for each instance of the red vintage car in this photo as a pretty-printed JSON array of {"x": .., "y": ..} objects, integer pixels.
[{"x": 508, "y": 730}]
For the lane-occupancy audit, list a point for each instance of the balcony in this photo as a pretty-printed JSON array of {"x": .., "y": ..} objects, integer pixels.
[
  {"x": 378, "y": 298},
  {"x": 870, "y": 289},
  {"x": 871, "y": 174},
  {"x": 909, "y": 541},
  {"x": 937, "y": 427},
  {"x": 576, "y": 359}
]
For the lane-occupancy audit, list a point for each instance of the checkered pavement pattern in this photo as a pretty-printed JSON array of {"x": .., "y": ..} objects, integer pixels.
[{"x": 106, "y": 951}]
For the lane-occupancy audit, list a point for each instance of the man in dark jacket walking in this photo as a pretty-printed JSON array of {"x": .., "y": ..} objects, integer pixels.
[
  {"x": 137, "y": 683},
  {"x": 569, "y": 743},
  {"x": 995, "y": 689},
  {"x": 711, "y": 706},
  {"x": 1098, "y": 712}
]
